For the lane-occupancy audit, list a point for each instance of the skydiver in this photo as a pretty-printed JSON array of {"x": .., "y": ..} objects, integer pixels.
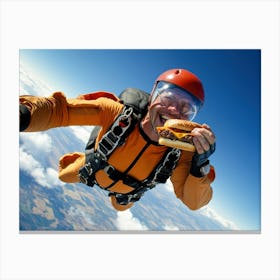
[{"x": 126, "y": 172}]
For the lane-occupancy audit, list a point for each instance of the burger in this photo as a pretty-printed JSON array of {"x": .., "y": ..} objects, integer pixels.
[{"x": 177, "y": 134}]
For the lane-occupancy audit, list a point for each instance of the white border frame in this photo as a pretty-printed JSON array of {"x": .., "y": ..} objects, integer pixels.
[{"x": 119, "y": 24}]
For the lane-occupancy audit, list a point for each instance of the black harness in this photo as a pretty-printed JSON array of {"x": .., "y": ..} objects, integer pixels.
[{"x": 113, "y": 138}]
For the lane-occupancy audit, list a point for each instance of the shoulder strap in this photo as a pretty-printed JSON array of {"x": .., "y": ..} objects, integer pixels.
[{"x": 118, "y": 132}]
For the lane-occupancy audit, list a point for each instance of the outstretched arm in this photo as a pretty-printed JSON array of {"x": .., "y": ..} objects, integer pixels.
[{"x": 42, "y": 113}]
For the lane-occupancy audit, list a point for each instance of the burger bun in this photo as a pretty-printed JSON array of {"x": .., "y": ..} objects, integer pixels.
[
  {"x": 177, "y": 144},
  {"x": 182, "y": 124}
]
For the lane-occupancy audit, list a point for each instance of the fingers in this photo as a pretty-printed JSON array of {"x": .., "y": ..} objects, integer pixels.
[
  {"x": 206, "y": 126},
  {"x": 203, "y": 138}
]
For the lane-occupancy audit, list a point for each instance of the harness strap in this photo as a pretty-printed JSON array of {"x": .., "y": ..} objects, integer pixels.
[
  {"x": 165, "y": 167},
  {"x": 118, "y": 132}
]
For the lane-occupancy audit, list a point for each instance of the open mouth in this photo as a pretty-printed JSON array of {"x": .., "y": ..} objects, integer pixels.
[{"x": 164, "y": 118}]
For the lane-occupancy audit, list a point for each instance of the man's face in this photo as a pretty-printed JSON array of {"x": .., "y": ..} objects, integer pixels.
[{"x": 169, "y": 105}]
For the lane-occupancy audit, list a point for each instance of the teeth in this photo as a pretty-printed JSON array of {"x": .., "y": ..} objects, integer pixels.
[{"x": 165, "y": 117}]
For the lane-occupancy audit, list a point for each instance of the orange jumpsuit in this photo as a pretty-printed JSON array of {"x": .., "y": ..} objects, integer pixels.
[{"x": 57, "y": 111}]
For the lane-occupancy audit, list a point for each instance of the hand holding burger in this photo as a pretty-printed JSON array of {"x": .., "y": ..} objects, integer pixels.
[{"x": 190, "y": 136}]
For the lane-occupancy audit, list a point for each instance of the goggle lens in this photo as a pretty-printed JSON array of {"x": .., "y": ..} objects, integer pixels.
[{"x": 189, "y": 104}]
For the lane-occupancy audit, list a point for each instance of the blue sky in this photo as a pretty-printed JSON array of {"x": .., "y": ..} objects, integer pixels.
[{"x": 231, "y": 80}]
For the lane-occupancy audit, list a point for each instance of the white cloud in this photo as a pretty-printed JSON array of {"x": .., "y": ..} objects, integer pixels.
[
  {"x": 37, "y": 141},
  {"x": 210, "y": 213},
  {"x": 82, "y": 132},
  {"x": 52, "y": 178},
  {"x": 126, "y": 221},
  {"x": 26, "y": 161},
  {"x": 32, "y": 85},
  {"x": 46, "y": 177},
  {"x": 168, "y": 186}
]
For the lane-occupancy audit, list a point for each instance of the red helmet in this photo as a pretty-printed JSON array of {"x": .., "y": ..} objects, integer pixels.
[{"x": 185, "y": 80}]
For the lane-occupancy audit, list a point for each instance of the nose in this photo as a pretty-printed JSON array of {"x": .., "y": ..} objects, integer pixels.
[
  {"x": 176, "y": 109},
  {"x": 173, "y": 108}
]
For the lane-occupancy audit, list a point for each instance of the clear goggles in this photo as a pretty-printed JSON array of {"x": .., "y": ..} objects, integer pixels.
[{"x": 171, "y": 94}]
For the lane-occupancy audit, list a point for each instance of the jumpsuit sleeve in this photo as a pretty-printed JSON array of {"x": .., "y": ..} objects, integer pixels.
[
  {"x": 57, "y": 111},
  {"x": 192, "y": 191}
]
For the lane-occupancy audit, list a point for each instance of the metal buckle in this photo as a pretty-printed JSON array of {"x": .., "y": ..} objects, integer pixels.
[
  {"x": 123, "y": 199},
  {"x": 85, "y": 172},
  {"x": 83, "y": 180},
  {"x": 109, "y": 169},
  {"x": 127, "y": 112},
  {"x": 89, "y": 169}
]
